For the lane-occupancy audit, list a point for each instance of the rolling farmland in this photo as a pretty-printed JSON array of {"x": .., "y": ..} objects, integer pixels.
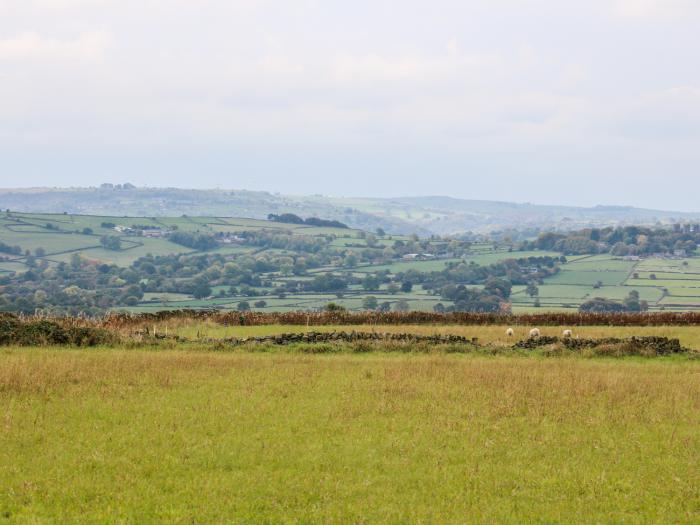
[
  {"x": 666, "y": 283},
  {"x": 669, "y": 284}
]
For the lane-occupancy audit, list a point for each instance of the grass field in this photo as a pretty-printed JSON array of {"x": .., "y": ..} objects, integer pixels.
[
  {"x": 665, "y": 283},
  {"x": 114, "y": 436},
  {"x": 487, "y": 334}
]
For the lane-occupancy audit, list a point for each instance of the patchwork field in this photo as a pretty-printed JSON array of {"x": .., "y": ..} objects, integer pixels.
[
  {"x": 672, "y": 284},
  {"x": 105, "y": 436},
  {"x": 664, "y": 283}
]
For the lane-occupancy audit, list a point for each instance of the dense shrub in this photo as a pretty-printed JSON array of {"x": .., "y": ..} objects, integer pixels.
[
  {"x": 44, "y": 332},
  {"x": 381, "y": 317}
]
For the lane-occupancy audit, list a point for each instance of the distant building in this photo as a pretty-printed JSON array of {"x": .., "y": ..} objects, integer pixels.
[
  {"x": 154, "y": 233},
  {"x": 418, "y": 256}
]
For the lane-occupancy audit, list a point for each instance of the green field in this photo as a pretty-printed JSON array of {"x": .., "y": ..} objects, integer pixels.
[
  {"x": 665, "y": 283},
  {"x": 137, "y": 436},
  {"x": 676, "y": 284}
]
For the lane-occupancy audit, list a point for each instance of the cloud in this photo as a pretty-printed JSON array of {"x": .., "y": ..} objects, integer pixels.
[
  {"x": 667, "y": 116},
  {"x": 31, "y": 46},
  {"x": 656, "y": 8},
  {"x": 66, "y": 4},
  {"x": 507, "y": 85}
]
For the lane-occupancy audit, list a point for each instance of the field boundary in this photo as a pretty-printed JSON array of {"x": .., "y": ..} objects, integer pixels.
[{"x": 112, "y": 320}]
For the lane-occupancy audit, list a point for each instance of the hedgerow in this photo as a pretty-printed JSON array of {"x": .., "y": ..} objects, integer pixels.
[{"x": 404, "y": 318}]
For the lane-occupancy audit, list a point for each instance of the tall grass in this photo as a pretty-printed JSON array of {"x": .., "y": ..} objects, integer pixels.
[{"x": 110, "y": 436}]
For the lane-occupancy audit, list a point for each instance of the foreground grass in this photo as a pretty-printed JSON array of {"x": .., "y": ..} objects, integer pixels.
[{"x": 107, "y": 436}]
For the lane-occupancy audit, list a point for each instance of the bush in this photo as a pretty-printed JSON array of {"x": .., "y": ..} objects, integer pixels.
[
  {"x": 44, "y": 333},
  {"x": 243, "y": 306}
]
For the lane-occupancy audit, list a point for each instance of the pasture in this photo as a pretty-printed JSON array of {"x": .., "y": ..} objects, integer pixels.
[
  {"x": 669, "y": 283},
  {"x": 689, "y": 336},
  {"x": 110, "y": 435}
]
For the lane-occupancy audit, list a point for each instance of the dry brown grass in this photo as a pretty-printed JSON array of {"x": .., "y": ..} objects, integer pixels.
[
  {"x": 491, "y": 334},
  {"x": 51, "y": 371}
]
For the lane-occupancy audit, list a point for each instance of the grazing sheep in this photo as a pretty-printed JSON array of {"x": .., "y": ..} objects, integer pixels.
[
  {"x": 534, "y": 333},
  {"x": 510, "y": 332},
  {"x": 567, "y": 334}
]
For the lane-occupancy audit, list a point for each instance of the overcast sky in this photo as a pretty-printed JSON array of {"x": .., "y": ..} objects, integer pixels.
[{"x": 571, "y": 102}]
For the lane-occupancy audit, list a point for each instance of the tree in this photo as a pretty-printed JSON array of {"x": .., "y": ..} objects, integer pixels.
[
  {"x": 243, "y": 306},
  {"x": 401, "y": 306},
  {"x": 392, "y": 288},
  {"x": 370, "y": 303},
  {"x": 532, "y": 289},
  {"x": 601, "y": 305},
  {"x": 380, "y": 232},
  {"x": 406, "y": 286},
  {"x": 371, "y": 282},
  {"x": 131, "y": 301},
  {"x": 328, "y": 283},
  {"x": 76, "y": 261},
  {"x": 334, "y": 307},
  {"x": 260, "y": 304},
  {"x": 196, "y": 241},
  {"x": 499, "y": 287},
  {"x": 384, "y": 307},
  {"x": 288, "y": 218},
  {"x": 351, "y": 260},
  {"x": 135, "y": 291},
  {"x": 632, "y": 303},
  {"x": 111, "y": 242},
  {"x": 40, "y": 252},
  {"x": 439, "y": 308},
  {"x": 201, "y": 290}
]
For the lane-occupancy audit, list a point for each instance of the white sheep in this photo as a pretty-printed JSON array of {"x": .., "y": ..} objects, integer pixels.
[
  {"x": 567, "y": 334},
  {"x": 510, "y": 332},
  {"x": 534, "y": 333}
]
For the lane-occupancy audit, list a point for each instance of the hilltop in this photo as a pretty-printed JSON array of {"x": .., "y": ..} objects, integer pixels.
[{"x": 403, "y": 215}]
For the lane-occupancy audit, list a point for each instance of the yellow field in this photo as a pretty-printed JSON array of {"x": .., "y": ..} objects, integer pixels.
[
  {"x": 133, "y": 436},
  {"x": 688, "y": 335}
]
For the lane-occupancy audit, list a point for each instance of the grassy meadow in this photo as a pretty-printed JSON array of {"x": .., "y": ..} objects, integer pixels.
[
  {"x": 689, "y": 336},
  {"x": 136, "y": 436}
]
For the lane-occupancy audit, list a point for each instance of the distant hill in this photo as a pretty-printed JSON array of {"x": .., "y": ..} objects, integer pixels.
[{"x": 421, "y": 215}]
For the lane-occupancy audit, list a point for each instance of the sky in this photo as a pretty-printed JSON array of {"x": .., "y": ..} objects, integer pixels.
[{"x": 558, "y": 102}]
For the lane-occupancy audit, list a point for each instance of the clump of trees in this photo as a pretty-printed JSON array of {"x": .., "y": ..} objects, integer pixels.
[
  {"x": 492, "y": 298},
  {"x": 194, "y": 240},
  {"x": 111, "y": 242},
  {"x": 620, "y": 241},
  {"x": 12, "y": 250},
  {"x": 631, "y": 303},
  {"x": 291, "y": 218}
]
